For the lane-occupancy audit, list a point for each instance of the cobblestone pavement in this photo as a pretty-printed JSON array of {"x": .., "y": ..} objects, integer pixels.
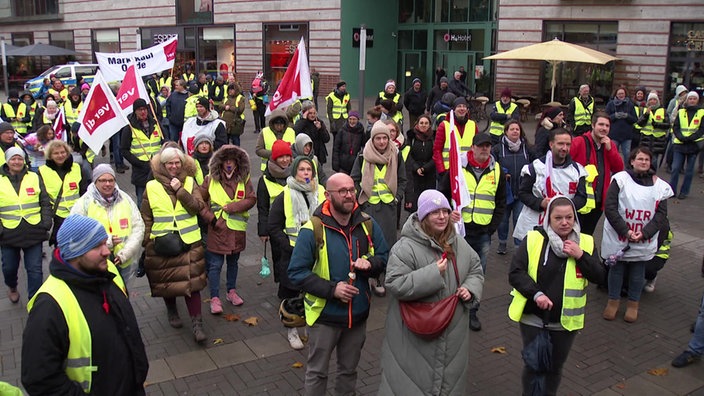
[{"x": 608, "y": 358}]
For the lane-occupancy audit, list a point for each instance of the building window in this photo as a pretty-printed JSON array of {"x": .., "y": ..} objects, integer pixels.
[
  {"x": 216, "y": 46},
  {"x": 686, "y": 57},
  {"x": 415, "y": 11},
  {"x": 280, "y": 42},
  {"x": 63, "y": 39},
  {"x": 22, "y": 39},
  {"x": 107, "y": 40},
  {"x": 30, "y": 8},
  {"x": 194, "y": 11},
  {"x": 600, "y": 36}
]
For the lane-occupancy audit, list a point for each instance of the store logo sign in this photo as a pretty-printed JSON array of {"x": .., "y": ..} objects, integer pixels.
[
  {"x": 161, "y": 38},
  {"x": 457, "y": 37},
  {"x": 695, "y": 40}
]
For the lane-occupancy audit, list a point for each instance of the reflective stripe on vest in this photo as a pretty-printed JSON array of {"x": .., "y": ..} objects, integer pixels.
[
  {"x": 270, "y": 137},
  {"x": 14, "y": 207},
  {"x": 589, "y": 182},
  {"x": 689, "y": 127},
  {"x": 664, "y": 249},
  {"x": 70, "y": 113},
  {"x": 465, "y": 141},
  {"x": 314, "y": 305},
  {"x": 169, "y": 218},
  {"x": 142, "y": 147},
  {"x": 483, "y": 196},
  {"x": 650, "y": 129},
  {"x": 78, "y": 363},
  {"x": 582, "y": 115},
  {"x": 69, "y": 185},
  {"x": 497, "y": 128},
  {"x": 218, "y": 200},
  {"x": 574, "y": 293},
  {"x": 290, "y": 227},
  {"x": 339, "y": 107},
  {"x": 639, "y": 111},
  {"x": 117, "y": 221},
  {"x": 19, "y": 126},
  {"x": 380, "y": 190}
]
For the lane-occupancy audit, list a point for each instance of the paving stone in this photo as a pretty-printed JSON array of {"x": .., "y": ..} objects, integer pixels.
[
  {"x": 159, "y": 371},
  {"x": 190, "y": 363},
  {"x": 231, "y": 354},
  {"x": 267, "y": 345}
]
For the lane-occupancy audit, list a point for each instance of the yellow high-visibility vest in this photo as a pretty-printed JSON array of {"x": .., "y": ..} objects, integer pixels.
[
  {"x": 269, "y": 139},
  {"x": 71, "y": 113},
  {"x": 218, "y": 200},
  {"x": 69, "y": 186},
  {"x": 339, "y": 107},
  {"x": 689, "y": 127},
  {"x": 497, "y": 128},
  {"x": 19, "y": 126},
  {"x": 483, "y": 196},
  {"x": 465, "y": 141},
  {"x": 169, "y": 218},
  {"x": 117, "y": 221},
  {"x": 142, "y": 147},
  {"x": 582, "y": 115},
  {"x": 650, "y": 130},
  {"x": 290, "y": 227},
  {"x": 380, "y": 190},
  {"x": 273, "y": 188},
  {"x": 397, "y": 96},
  {"x": 14, "y": 207}
]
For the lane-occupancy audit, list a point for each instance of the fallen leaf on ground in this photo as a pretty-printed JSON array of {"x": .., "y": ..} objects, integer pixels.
[
  {"x": 205, "y": 300},
  {"x": 252, "y": 321},
  {"x": 231, "y": 317},
  {"x": 658, "y": 372},
  {"x": 500, "y": 349},
  {"x": 218, "y": 341},
  {"x": 297, "y": 365},
  {"x": 621, "y": 385},
  {"x": 304, "y": 338}
]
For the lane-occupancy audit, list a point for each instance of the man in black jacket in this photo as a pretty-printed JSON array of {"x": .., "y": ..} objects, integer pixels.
[
  {"x": 175, "y": 106},
  {"x": 314, "y": 127},
  {"x": 414, "y": 101},
  {"x": 98, "y": 349},
  {"x": 436, "y": 94}
]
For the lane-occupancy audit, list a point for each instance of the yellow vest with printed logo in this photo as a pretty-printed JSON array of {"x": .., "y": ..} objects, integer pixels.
[
  {"x": 290, "y": 227},
  {"x": 649, "y": 129},
  {"x": 689, "y": 127},
  {"x": 465, "y": 141},
  {"x": 574, "y": 292},
  {"x": 269, "y": 139},
  {"x": 71, "y": 113},
  {"x": 483, "y": 196},
  {"x": 380, "y": 190},
  {"x": 397, "y": 96},
  {"x": 14, "y": 207},
  {"x": 79, "y": 359},
  {"x": 218, "y": 200},
  {"x": 69, "y": 185},
  {"x": 142, "y": 147},
  {"x": 497, "y": 128},
  {"x": 339, "y": 107},
  {"x": 169, "y": 218},
  {"x": 19, "y": 126},
  {"x": 582, "y": 115},
  {"x": 117, "y": 221}
]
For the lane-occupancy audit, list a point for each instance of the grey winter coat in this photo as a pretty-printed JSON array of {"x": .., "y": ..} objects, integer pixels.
[{"x": 412, "y": 365}]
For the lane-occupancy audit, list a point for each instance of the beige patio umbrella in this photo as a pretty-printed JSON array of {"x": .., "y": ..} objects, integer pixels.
[{"x": 554, "y": 52}]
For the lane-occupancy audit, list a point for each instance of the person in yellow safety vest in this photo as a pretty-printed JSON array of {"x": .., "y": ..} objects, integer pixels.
[
  {"x": 270, "y": 185},
  {"x": 303, "y": 147},
  {"x": 216, "y": 93},
  {"x": 7, "y": 141},
  {"x": 549, "y": 275},
  {"x": 600, "y": 158},
  {"x": 82, "y": 335},
  {"x": 396, "y": 137},
  {"x": 688, "y": 135},
  {"x": 379, "y": 175},
  {"x": 486, "y": 182},
  {"x": 188, "y": 75},
  {"x": 58, "y": 91},
  {"x": 639, "y": 105},
  {"x": 15, "y": 112},
  {"x": 390, "y": 112},
  {"x": 339, "y": 106},
  {"x": 289, "y": 212},
  {"x": 228, "y": 195},
  {"x": 202, "y": 153},
  {"x": 174, "y": 261},
  {"x": 190, "y": 110},
  {"x": 655, "y": 126},
  {"x": 165, "y": 80},
  {"x": 579, "y": 111},
  {"x": 32, "y": 107},
  {"x": 63, "y": 181},
  {"x": 390, "y": 93},
  {"x": 504, "y": 110},
  {"x": 140, "y": 142},
  {"x": 73, "y": 106},
  {"x": 333, "y": 264},
  {"x": 233, "y": 114},
  {"x": 465, "y": 129},
  {"x": 25, "y": 217},
  {"x": 203, "y": 85},
  {"x": 277, "y": 130},
  {"x": 47, "y": 116},
  {"x": 119, "y": 215}
]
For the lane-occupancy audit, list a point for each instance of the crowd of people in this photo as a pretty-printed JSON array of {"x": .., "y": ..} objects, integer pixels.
[{"x": 336, "y": 239}]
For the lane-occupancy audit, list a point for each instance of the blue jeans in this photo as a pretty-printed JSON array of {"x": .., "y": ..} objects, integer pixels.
[
  {"x": 624, "y": 148},
  {"x": 636, "y": 279},
  {"x": 32, "y": 264},
  {"x": 174, "y": 132},
  {"x": 480, "y": 244},
  {"x": 696, "y": 344},
  {"x": 512, "y": 212},
  {"x": 214, "y": 263},
  {"x": 234, "y": 139},
  {"x": 139, "y": 192},
  {"x": 678, "y": 161},
  {"x": 115, "y": 144}
]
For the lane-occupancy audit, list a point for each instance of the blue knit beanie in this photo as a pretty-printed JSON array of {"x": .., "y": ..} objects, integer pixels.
[{"x": 78, "y": 235}]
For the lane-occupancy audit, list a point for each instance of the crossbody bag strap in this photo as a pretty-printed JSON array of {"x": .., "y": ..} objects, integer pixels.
[{"x": 457, "y": 274}]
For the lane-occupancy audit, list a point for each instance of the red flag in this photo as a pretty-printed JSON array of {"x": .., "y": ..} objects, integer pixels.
[
  {"x": 59, "y": 125},
  {"x": 131, "y": 89},
  {"x": 296, "y": 81},
  {"x": 458, "y": 184},
  {"x": 101, "y": 116}
]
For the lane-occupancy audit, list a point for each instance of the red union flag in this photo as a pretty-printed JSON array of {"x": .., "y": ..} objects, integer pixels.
[
  {"x": 101, "y": 116},
  {"x": 296, "y": 81},
  {"x": 458, "y": 184},
  {"x": 59, "y": 125},
  {"x": 131, "y": 89}
]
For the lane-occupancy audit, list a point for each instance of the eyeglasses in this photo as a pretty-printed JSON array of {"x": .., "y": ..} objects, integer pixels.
[
  {"x": 343, "y": 192},
  {"x": 103, "y": 181}
]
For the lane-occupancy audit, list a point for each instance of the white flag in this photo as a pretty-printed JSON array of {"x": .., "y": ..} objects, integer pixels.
[
  {"x": 148, "y": 61},
  {"x": 101, "y": 116}
]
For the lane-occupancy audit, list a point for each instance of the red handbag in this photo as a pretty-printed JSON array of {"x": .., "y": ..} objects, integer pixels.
[{"x": 430, "y": 319}]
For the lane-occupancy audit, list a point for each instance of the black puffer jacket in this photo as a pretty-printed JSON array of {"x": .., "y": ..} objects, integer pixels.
[
  {"x": 141, "y": 170},
  {"x": 513, "y": 162},
  {"x": 116, "y": 344},
  {"x": 348, "y": 144}
]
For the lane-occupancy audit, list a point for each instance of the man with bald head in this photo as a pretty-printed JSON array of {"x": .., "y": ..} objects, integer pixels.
[{"x": 335, "y": 255}]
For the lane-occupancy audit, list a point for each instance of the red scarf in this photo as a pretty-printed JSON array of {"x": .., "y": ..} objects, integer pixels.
[{"x": 474, "y": 163}]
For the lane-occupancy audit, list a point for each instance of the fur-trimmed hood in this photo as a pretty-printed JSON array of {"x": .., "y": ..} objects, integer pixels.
[
  {"x": 188, "y": 167},
  {"x": 234, "y": 153}
]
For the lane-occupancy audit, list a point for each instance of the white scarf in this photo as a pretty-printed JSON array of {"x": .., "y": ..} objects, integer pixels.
[{"x": 301, "y": 211}]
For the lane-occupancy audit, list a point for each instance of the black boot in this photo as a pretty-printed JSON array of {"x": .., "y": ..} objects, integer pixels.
[{"x": 474, "y": 323}]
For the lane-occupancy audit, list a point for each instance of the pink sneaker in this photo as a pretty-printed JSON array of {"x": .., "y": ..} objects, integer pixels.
[
  {"x": 234, "y": 298},
  {"x": 215, "y": 306}
]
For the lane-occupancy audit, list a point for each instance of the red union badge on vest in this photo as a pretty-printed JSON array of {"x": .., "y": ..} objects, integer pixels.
[
  {"x": 695, "y": 121},
  {"x": 578, "y": 272},
  {"x": 155, "y": 133},
  {"x": 240, "y": 194},
  {"x": 124, "y": 223},
  {"x": 573, "y": 187},
  {"x": 72, "y": 185},
  {"x": 30, "y": 191}
]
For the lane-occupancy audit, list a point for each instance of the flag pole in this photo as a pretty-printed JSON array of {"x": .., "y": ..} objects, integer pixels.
[{"x": 156, "y": 123}]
